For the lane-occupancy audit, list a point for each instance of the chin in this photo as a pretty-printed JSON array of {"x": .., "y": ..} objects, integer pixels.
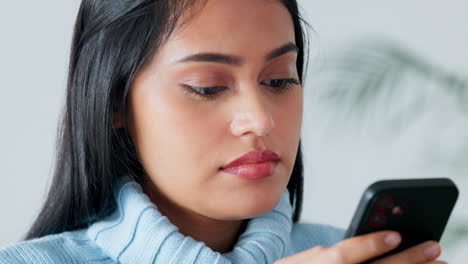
[
  {"x": 248, "y": 199},
  {"x": 252, "y": 206}
]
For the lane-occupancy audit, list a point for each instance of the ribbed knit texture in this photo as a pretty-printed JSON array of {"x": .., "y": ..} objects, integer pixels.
[{"x": 138, "y": 233}]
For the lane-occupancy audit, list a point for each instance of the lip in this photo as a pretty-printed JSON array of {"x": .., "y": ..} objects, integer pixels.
[
  {"x": 253, "y": 165},
  {"x": 252, "y": 158}
]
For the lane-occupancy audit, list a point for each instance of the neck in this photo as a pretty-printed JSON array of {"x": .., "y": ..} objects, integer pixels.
[{"x": 219, "y": 235}]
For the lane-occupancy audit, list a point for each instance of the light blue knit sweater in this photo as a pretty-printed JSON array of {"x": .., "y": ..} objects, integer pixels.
[{"x": 137, "y": 233}]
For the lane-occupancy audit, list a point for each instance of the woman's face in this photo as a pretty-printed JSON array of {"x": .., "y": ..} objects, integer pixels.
[{"x": 184, "y": 138}]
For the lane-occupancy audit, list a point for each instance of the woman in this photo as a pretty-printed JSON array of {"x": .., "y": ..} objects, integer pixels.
[{"x": 180, "y": 142}]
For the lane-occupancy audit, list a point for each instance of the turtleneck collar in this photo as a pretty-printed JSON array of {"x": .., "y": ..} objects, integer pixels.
[{"x": 136, "y": 232}]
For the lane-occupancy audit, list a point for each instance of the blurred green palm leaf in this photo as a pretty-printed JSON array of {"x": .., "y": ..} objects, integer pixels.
[{"x": 388, "y": 92}]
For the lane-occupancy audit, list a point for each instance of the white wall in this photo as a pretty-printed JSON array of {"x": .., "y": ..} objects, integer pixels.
[
  {"x": 340, "y": 166},
  {"x": 34, "y": 42},
  {"x": 436, "y": 29},
  {"x": 35, "y": 37}
]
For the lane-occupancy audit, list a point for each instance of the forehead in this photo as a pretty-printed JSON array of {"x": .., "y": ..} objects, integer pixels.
[{"x": 238, "y": 27}]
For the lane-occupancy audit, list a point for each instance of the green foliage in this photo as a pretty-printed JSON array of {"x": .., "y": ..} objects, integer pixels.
[{"x": 384, "y": 87}]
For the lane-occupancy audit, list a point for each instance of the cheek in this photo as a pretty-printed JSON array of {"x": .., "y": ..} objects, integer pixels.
[
  {"x": 173, "y": 135},
  {"x": 288, "y": 124}
]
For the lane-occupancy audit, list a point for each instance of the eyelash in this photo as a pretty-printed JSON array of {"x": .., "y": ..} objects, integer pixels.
[{"x": 212, "y": 92}]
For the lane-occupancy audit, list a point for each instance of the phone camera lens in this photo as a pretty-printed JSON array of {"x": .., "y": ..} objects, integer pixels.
[
  {"x": 377, "y": 219},
  {"x": 384, "y": 203}
]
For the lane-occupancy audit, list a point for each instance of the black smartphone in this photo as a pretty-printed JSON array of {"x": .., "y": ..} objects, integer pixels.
[{"x": 417, "y": 208}]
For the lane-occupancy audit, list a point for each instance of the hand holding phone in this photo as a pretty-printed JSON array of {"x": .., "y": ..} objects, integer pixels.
[
  {"x": 416, "y": 208},
  {"x": 362, "y": 248}
]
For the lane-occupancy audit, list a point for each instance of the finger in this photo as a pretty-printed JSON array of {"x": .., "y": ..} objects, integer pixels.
[
  {"x": 422, "y": 253},
  {"x": 361, "y": 248}
]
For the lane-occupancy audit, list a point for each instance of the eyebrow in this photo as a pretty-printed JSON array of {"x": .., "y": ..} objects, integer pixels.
[{"x": 236, "y": 60}]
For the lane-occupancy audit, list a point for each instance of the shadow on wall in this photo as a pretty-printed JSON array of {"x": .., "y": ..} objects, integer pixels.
[{"x": 386, "y": 93}]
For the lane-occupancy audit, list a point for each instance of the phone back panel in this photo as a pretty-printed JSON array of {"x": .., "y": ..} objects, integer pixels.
[{"x": 418, "y": 208}]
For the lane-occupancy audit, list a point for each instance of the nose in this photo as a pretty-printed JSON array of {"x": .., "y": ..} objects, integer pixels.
[{"x": 252, "y": 116}]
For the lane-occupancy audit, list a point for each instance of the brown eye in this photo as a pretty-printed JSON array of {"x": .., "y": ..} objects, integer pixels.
[
  {"x": 281, "y": 84},
  {"x": 206, "y": 92}
]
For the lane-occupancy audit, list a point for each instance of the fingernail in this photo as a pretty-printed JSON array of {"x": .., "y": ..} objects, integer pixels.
[
  {"x": 392, "y": 239},
  {"x": 432, "y": 250}
]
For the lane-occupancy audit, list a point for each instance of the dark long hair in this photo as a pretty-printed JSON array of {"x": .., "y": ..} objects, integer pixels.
[{"x": 112, "y": 41}]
